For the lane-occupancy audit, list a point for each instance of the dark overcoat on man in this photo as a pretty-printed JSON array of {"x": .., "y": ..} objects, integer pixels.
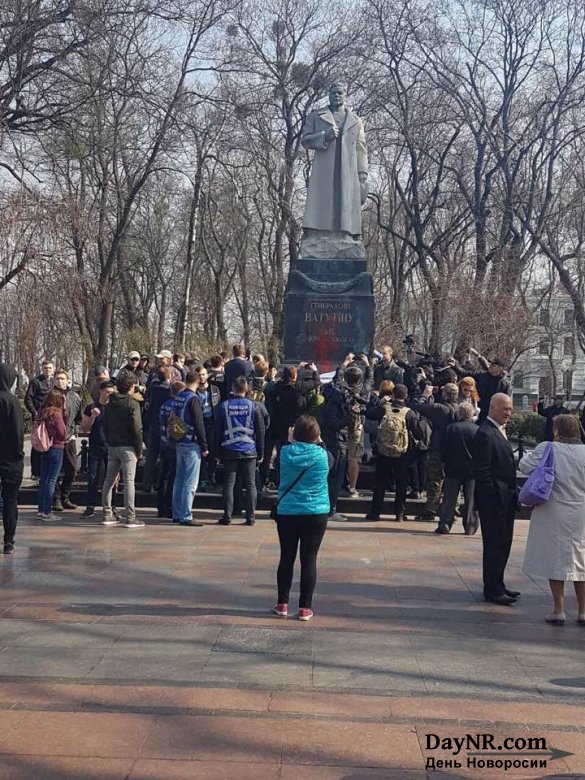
[{"x": 496, "y": 498}]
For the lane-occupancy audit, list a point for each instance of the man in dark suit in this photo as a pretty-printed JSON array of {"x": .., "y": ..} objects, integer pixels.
[
  {"x": 456, "y": 450},
  {"x": 496, "y": 497}
]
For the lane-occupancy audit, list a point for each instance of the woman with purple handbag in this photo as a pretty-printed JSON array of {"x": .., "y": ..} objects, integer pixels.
[{"x": 555, "y": 548}]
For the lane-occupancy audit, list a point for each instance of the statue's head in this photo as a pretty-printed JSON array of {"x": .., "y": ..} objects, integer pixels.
[{"x": 337, "y": 93}]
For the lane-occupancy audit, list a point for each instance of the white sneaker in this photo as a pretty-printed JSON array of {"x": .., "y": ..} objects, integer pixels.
[
  {"x": 51, "y": 518},
  {"x": 133, "y": 523},
  {"x": 110, "y": 521}
]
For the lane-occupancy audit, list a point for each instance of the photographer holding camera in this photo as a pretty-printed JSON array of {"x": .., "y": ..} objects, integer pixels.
[
  {"x": 355, "y": 389},
  {"x": 360, "y": 361}
]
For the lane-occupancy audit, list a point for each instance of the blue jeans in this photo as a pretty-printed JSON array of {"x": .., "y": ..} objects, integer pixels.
[
  {"x": 186, "y": 480},
  {"x": 51, "y": 462}
]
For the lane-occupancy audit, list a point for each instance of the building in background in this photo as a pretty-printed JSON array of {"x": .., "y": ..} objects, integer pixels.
[{"x": 554, "y": 360}]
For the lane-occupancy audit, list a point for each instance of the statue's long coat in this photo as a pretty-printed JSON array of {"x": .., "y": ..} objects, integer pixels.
[{"x": 334, "y": 197}]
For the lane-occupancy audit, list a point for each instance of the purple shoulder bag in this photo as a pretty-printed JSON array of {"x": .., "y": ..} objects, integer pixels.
[{"x": 538, "y": 487}]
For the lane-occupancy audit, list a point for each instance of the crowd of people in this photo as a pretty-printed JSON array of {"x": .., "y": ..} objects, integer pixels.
[{"x": 435, "y": 429}]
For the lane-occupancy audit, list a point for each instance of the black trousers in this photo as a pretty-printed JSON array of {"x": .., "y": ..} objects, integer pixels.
[
  {"x": 269, "y": 445},
  {"x": 35, "y": 463},
  {"x": 245, "y": 468},
  {"x": 149, "y": 473},
  {"x": 97, "y": 461},
  {"x": 497, "y": 530},
  {"x": 207, "y": 471},
  {"x": 390, "y": 470},
  {"x": 308, "y": 530},
  {"x": 166, "y": 482},
  {"x": 70, "y": 466},
  {"x": 336, "y": 478},
  {"x": 11, "y": 478}
]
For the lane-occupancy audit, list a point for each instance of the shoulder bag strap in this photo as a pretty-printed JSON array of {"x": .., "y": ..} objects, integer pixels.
[{"x": 295, "y": 481}]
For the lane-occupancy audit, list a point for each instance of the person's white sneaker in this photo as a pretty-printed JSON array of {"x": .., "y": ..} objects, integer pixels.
[
  {"x": 51, "y": 518},
  {"x": 135, "y": 523},
  {"x": 110, "y": 521}
]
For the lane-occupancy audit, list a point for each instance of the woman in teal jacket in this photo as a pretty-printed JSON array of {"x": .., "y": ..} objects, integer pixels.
[{"x": 303, "y": 506}]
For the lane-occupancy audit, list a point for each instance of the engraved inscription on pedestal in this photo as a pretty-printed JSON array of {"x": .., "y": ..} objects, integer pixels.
[{"x": 324, "y": 328}]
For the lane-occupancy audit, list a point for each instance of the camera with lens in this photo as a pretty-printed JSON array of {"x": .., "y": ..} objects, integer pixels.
[{"x": 308, "y": 380}]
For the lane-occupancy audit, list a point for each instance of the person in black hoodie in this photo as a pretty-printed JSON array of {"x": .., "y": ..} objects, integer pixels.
[
  {"x": 550, "y": 412},
  {"x": 440, "y": 416},
  {"x": 158, "y": 393},
  {"x": 288, "y": 403},
  {"x": 217, "y": 375},
  {"x": 335, "y": 420},
  {"x": 123, "y": 432},
  {"x": 236, "y": 367},
  {"x": 456, "y": 453},
  {"x": 11, "y": 453}
]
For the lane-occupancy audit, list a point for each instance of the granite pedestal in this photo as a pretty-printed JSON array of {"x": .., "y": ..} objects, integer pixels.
[{"x": 328, "y": 311}]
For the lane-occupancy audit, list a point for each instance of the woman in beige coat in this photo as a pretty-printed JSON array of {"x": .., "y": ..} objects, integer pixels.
[{"x": 556, "y": 537}]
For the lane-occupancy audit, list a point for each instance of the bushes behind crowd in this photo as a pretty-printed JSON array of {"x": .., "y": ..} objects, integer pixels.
[{"x": 529, "y": 426}]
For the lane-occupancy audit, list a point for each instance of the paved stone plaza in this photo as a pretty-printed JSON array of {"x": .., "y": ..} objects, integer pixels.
[{"x": 152, "y": 654}]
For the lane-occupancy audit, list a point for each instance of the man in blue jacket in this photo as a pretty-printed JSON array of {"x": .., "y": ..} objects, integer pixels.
[
  {"x": 240, "y": 439},
  {"x": 185, "y": 429}
]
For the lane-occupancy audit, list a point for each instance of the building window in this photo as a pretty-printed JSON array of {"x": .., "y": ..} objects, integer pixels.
[
  {"x": 569, "y": 346},
  {"x": 544, "y": 347},
  {"x": 544, "y": 386},
  {"x": 569, "y": 318},
  {"x": 518, "y": 379},
  {"x": 544, "y": 317}
]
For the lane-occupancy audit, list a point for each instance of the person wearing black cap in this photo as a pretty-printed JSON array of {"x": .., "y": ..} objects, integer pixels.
[
  {"x": 492, "y": 380},
  {"x": 550, "y": 412},
  {"x": 100, "y": 374},
  {"x": 92, "y": 423},
  {"x": 11, "y": 453}
]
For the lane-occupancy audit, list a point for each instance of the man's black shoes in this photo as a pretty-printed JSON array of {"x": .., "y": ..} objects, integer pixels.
[
  {"x": 513, "y": 594},
  {"x": 224, "y": 521},
  {"x": 503, "y": 600}
]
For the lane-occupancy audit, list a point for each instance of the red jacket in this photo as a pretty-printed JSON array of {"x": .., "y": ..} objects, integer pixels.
[{"x": 57, "y": 430}]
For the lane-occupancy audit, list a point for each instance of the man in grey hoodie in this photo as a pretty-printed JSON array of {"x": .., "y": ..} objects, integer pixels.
[{"x": 11, "y": 453}]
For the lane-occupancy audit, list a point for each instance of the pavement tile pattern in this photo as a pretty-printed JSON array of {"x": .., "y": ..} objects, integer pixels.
[{"x": 152, "y": 653}]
